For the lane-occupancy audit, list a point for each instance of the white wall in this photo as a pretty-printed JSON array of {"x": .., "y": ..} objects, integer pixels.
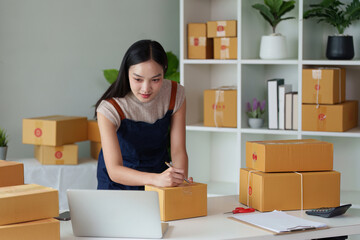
[{"x": 52, "y": 54}]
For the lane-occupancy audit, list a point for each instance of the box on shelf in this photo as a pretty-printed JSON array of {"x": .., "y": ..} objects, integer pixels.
[
  {"x": 323, "y": 86},
  {"x": 225, "y": 48},
  {"x": 184, "y": 201},
  {"x": 289, "y": 155},
  {"x": 28, "y": 202},
  {"x": 46, "y": 229},
  {"x": 330, "y": 118},
  {"x": 217, "y": 29},
  {"x": 220, "y": 107},
  {"x": 11, "y": 173},
  {"x": 95, "y": 148},
  {"x": 282, "y": 191},
  {"x": 199, "y": 46},
  {"x": 54, "y": 130},
  {"x": 61, "y": 155},
  {"x": 93, "y": 131}
]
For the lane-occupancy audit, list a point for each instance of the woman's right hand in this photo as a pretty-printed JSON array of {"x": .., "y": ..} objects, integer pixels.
[{"x": 171, "y": 177}]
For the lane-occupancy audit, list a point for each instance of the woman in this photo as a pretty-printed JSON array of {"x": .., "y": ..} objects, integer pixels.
[{"x": 134, "y": 116}]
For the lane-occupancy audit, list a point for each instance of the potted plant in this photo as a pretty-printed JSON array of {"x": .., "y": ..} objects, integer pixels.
[
  {"x": 171, "y": 73},
  {"x": 255, "y": 112},
  {"x": 341, "y": 16},
  {"x": 273, "y": 46},
  {"x": 3, "y": 144}
]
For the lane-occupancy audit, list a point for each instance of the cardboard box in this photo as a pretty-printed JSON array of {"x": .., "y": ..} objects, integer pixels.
[
  {"x": 184, "y": 201},
  {"x": 54, "y": 130},
  {"x": 28, "y": 202},
  {"x": 220, "y": 108},
  {"x": 93, "y": 131},
  {"x": 95, "y": 148},
  {"x": 225, "y": 48},
  {"x": 11, "y": 173},
  {"x": 282, "y": 191},
  {"x": 289, "y": 155},
  {"x": 217, "y": 29},
  {"x": 46, "y": 229},
  {"x": 330, "y": 118},
  {"x": 323, "y": 86},
  {"x": 199, "y": 46},
  {"x": 62, "y": 155}
]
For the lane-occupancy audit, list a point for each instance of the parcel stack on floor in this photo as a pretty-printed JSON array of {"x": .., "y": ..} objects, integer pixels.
[
  {"x": 54, "y": 137},
  {"x": 325, "y": 107},
  {"x": 289, "y": 175},
  {"x": 26, "y": 211},
  {"x": 94, "y": 137},
  {"x": 184, "y": 201}
]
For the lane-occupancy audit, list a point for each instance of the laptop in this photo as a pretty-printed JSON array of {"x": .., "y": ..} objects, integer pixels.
[{"x": 115, "y": 213}]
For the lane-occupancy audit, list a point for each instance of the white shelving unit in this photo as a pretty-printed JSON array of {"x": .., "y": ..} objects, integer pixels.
[{"x": 217, "y": 154}]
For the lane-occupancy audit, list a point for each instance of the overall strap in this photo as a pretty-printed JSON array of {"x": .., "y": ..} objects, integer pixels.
[
  {"x": 117, "y": 107},
  {"x": 173, "y": 95}
]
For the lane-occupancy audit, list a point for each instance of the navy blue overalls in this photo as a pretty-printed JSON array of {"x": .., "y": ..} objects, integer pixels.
[{"x": 143, "y": 145}]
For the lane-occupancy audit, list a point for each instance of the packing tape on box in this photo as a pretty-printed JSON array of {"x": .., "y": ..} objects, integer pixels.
[
  {"x": 224, "y": 48},
  {"x": 302, "y": 190},
  {"x": 300, "y": 142},
  {"x": 38, "y": 132},
  {"x": 219, "y": 97},
  {"x": 197, "y": 41},
  {"x": 317, "y": 75},
  {"x": 248, "y": 188},
  {"x": 220, "y": 28},
  {"x": 321, "y": 117}
]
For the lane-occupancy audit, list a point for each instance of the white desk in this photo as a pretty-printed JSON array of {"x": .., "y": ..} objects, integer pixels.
[
  {"x": 61, "y": 177},
  {"x": 217, "y": 225}
]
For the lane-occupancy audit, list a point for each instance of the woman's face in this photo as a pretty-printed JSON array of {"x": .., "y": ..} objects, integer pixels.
[{"x": 146, "y": 79}]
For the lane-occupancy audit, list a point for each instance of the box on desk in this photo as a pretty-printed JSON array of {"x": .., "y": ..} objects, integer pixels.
[
  {"x": 289, "y": 155},
  {"x": 220, "y": 108},
  {"x": 282, "y": 191},
  {"x": 61, "y": 155},
  {"x": 330, "y": 118},
  {"x": 323, "y": 86},
  {"x": 46, "y": 229},
  {"x": 184, "y": 201},
  {"x": 225, "y": 48},
  {"x": 28, "y": 202},
  {"x": 95, "y": 149},
  {"x": 199, "y": 46},
  {"x": 54, "y": 130},
  {"x": 11, "y": 173},
  {"x": 217, "y": 29},
  {"x": 93, "y": 131}
]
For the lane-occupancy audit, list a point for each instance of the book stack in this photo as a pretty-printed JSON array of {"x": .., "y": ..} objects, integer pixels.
[
  {"x": 324, "y": 104},
  {"x": 54, "y": 138},
  {"x": 26, "y": 210},
  {"x": 289, "y": 175},
  {"x": 282, "y": 105}
]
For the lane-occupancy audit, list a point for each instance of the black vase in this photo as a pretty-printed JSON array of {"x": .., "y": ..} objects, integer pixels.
[{"x": 340, "y": 48}]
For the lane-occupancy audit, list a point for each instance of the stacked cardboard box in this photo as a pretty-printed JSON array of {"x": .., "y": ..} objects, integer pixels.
[
  {"x": 289, "y": 175},
  {"x": 324, "y": 105},
  {"x": 54, "y": 137},
  {"x": 26, "y": 211},
  {"x": 94, "y": 137},
  {"x": 214, "y": 39}
]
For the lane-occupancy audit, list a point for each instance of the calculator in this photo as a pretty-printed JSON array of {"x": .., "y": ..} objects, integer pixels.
[{"x": 329, "y": 212}]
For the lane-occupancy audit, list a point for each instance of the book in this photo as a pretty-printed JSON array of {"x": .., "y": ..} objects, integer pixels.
[
  {"x": 283, "y": 89},
  {"x": 289, "y": 110},
  {"x": 273, "y": 105},
  {"x": 295, "y": 111}
]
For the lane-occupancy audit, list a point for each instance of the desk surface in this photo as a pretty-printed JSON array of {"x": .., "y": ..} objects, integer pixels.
[{"x": 216, "y": 225}]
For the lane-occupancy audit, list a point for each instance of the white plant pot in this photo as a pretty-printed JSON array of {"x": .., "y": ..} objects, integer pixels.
[
  {"x": 273, "y": 47},
  {"x": 256, "y": 122},
  {"x": 3, "y": 151}
]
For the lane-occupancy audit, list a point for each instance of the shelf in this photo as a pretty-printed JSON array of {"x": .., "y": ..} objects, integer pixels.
[
  {"x": 272, "y": 62},
  {"x": 208, "y": 61},
  {"x": 331, "y": 62},
  {"x": 269, "y": 131},
  {"x": 221, "y": 189},
  {"x": 200, "y": 127},
  {"x": 355, "y": 132}
]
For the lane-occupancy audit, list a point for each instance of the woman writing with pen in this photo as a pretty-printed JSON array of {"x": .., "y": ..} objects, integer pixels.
[{"x": 134, "y": 116}]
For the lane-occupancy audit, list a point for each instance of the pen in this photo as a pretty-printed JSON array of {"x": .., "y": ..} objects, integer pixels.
[{"x": 169, "y": 165}]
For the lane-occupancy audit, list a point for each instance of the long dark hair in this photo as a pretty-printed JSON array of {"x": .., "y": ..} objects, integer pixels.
[{"x": 140, "y": 51}]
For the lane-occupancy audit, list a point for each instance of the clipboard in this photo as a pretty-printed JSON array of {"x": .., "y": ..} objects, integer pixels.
[{"x": 278, "y": 222}]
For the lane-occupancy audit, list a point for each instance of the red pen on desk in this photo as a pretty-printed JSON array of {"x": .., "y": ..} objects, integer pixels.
[{"x": 169, "y": 165}]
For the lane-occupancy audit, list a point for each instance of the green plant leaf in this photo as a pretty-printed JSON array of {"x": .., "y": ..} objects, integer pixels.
[
  {"x": 274, "y": 6},
  {"x": 286, "y": 7},
  {"x": 111, "y": 75},
  {"x": 4, "y": 138},
  {"x": 265, "y": 12},
  {"x": 174, "y": 77},
  {"x": 173, "y": 63}
]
